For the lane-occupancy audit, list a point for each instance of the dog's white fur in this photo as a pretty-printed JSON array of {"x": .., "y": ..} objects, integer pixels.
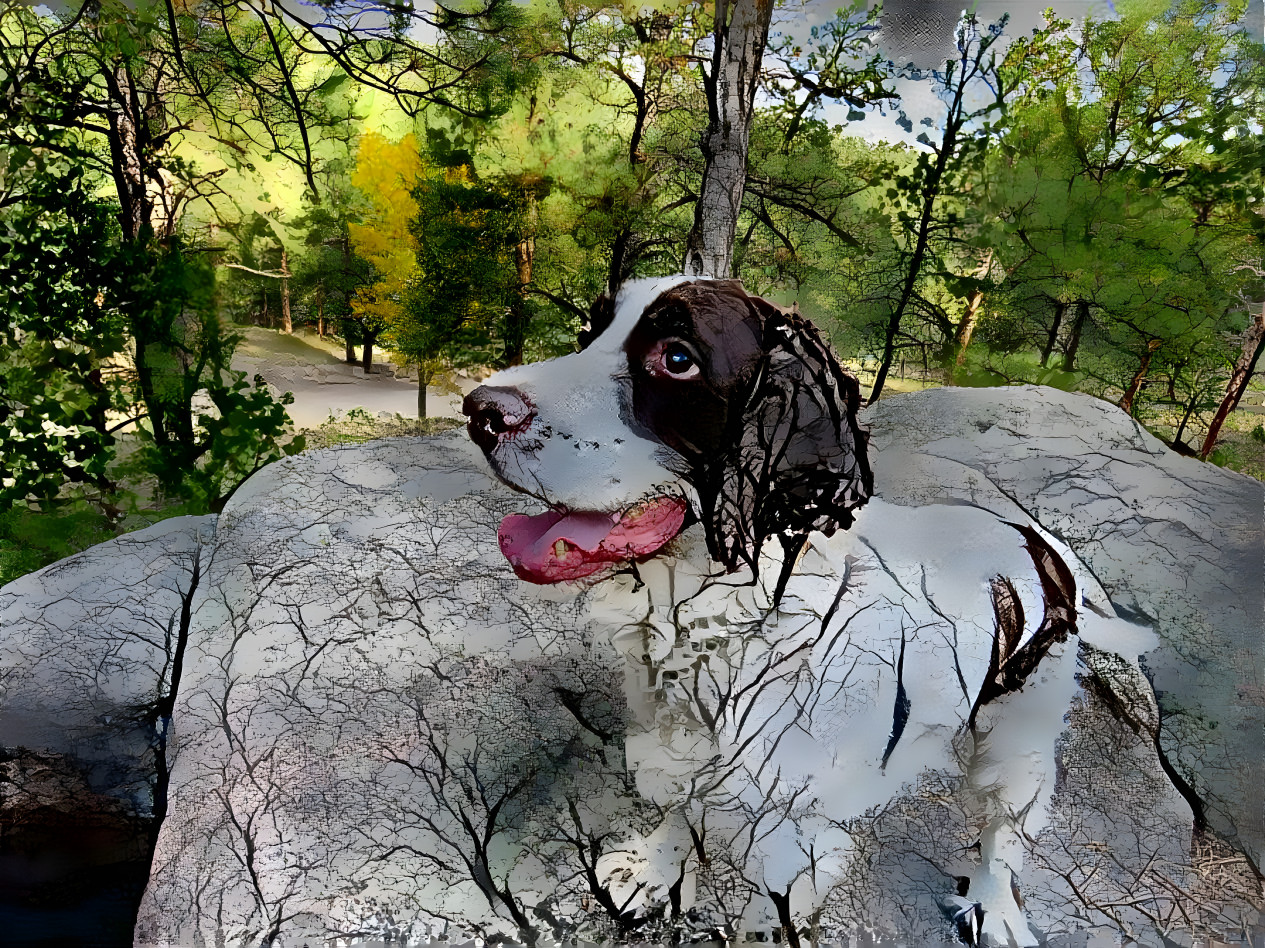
[
  {"x": 773, "y": 724},
  {"x": 582, "y": 456}
]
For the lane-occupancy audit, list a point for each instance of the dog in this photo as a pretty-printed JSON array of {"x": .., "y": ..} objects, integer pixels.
[{"x": 782, "y": 690}]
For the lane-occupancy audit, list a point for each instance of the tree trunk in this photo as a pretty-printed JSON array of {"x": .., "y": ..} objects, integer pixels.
[
  {"x": 349, "y": 351},
  {"x": 1253, "y": 345},
  {"x": 930, "y": 193},
  {"x": 127, "y": 134},
  {"x": 127, "y": 151},
  {"x": 1048, "y": 351},
  {"x": 1135, "y": 383},
  {"x": 618, "y": 265},
  {"x": 653, "y": 34},
  {"x": 962, "y": 338},
  {"x": 524, "y": 258},
  {"x": 782, "y": 903},
  {"x": 145, "y": 382},
  {"x": 366, "y": 360},
  {"x": 423, "y": 379},
  {"x": 287, "y": 327},
  {"x": 1074, "y": 338},
  {"x": 1188, "y": 412},
  {"x": 740, "y": 34}
]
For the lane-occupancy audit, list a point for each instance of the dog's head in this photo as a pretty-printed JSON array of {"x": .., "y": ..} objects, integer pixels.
[{"x": 689, "y": 398}]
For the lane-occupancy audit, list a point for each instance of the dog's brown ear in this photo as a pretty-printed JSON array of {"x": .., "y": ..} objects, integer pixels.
[{"x": 796, "y": 458}]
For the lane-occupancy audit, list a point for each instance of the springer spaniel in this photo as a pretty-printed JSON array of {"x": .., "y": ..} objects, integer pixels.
[{"x": 893, "y": 642}]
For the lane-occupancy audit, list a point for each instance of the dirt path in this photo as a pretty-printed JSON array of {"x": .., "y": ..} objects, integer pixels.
[{"x": 313, "y": 369}]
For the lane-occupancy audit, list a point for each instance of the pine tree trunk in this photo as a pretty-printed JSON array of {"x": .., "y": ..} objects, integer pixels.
[
  {"x": 929, "y": 191},
  {"x": 127, "y": 138},
  {"x": 618, "y": 268},
  {"x": 974, "y": 300},
  {"x": 740, "y": 35},
  {"x": 658, "y": 67},
  {"x": 524, "y": 259},
  {"x": 1188, "y": 412},
  {"x": 1253, "y": 345},
  {"x": 127, "y": 151},
  {"x": 1135, "y": 383},
  {"x": 1074, "y": 338},
  {"x": 1048, "y": 351},
  {"x": 287, "y": 326}
]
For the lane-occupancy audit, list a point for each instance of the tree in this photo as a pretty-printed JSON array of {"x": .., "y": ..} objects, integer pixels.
[
  {"x": 135, "y": 91},
  {"x": 328, "y": 273},
  {"x": 614, "y": 105},
  {"x": 740, "y": 33},
  {"x": 1126, "y": 196},
  {"x": 916, "y": 197},
  {"x": 1244, "y": 366},
  {"x": 111, "y": 89},
  {"x": 385, "y": 174},
  {"x": 183, "y": 351},
  {"x": 57, "y": 335},
  {"x": 467, "y": 235}
]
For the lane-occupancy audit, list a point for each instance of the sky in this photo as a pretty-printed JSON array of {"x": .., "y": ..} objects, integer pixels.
[{"x": 921, "y": 32}]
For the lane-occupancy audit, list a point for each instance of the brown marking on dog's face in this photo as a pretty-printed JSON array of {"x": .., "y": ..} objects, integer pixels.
[{"x": 691, "y": 358}]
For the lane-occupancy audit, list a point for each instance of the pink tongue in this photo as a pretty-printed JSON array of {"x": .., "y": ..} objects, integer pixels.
[{"x": 552, "y": 546}]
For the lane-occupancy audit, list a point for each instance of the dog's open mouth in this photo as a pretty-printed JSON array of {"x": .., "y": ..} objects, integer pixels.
[{"x": 564, "y": 544}]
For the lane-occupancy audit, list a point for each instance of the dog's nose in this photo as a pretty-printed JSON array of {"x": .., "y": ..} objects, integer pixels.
[{"x": 495, "y": 412}]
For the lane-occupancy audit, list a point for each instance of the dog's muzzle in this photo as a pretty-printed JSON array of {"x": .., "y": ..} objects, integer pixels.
[{"x": 496, "y": 413}]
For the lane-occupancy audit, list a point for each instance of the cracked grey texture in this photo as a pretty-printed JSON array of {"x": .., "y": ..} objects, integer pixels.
[
  {"x": 87, "y": 649},
  {"x": 378, "y": 728}
]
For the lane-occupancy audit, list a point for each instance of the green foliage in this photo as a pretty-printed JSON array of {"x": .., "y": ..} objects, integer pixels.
[
  {"x": 206, "y": 429},
  {"x": 1226, "y": 455},
  {"x": 57, "y": 332},
  {"x": 1088, "y": 204},
  {"x": 466, "y": 233},
  {"x": 327, "y": 273},
  {"x": 1120, "y": 186}
]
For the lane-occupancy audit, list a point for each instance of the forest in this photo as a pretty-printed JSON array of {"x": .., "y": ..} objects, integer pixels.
[{"x": 450, "y": 187}]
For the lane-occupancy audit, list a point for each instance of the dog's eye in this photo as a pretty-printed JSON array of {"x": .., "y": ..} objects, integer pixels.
[
  {"x": 677, "y": 359},
  {"x": 673, "y": 359}
]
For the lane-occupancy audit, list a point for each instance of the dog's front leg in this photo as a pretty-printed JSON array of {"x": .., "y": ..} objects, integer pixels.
[
  {"x": 1011, "y": 776},
  {"x": 994, "y": 889}
]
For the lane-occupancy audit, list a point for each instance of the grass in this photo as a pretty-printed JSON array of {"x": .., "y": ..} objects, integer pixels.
[
  {"x": 32, "y": 537},
  {"x": 1241, "y": 446},
  {"x": 358, "y": 426},
  {"x": 1241, "y": 441},
  {"x": 272, "y": 345}
]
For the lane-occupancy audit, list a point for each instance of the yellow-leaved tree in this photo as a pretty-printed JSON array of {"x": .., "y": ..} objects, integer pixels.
[{"x": 386, "y": 174}]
